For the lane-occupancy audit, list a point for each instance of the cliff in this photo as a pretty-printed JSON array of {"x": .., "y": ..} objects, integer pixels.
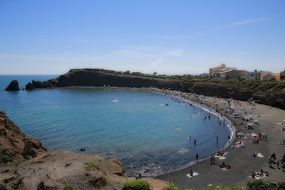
[
  {"x": 15, "y": 145},
  {"x": 264, "y": 92}
]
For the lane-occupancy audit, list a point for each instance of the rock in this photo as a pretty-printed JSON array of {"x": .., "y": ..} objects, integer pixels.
[
  {"x": 98, "y": 182},
  {"x": 2, "y": 187},
  {"x": 42, "y": 186},
  {"x": 32, "y": 148},
  {"x": 281, "y": 186},
  {"x": 13, "y": 86},
  {"x": 37, "y": 84},
  {"x": 30, "y": 86}
]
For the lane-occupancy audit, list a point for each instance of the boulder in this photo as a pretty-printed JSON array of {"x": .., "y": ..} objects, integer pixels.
[{"x": 13, "y": 86}]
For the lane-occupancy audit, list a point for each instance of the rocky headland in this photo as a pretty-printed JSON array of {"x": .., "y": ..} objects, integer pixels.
[{"x": 265, "y": 92}]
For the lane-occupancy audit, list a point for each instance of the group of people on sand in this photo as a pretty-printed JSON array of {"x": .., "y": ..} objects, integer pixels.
[
  {"x": 258, "y": 174},
  {"x": 274, "y": 161},
  {"x": 223, "y": 165}
]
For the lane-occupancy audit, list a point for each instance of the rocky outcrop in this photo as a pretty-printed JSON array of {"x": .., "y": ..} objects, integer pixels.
[
  {"x": 13, "y": 86},
  {"x": 15, "y": 145},
  {"x": 264, "y": 92},
  {"x": 37, "y": 84},
  {"x": 61, "y": 169}
]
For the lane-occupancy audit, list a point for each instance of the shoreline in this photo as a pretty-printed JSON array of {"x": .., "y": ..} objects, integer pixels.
[
  {"x": 242, "y": 157},
  {"x": 178, "y": 96}
]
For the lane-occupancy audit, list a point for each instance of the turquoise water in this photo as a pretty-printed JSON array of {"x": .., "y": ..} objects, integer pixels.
[{"x": 135, "y": 127}]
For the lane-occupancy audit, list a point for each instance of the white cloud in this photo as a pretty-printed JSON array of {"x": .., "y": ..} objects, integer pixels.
[{"x": 245, "y": 22}]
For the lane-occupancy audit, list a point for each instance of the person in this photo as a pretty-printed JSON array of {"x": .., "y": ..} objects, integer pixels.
[
  {"x": 197, "y": 157},
  {"x": 253, "y": 174},
  {"x": 213, "y": 160},
  {"x": 191, "y": 172},
  {"x": 278, "y": 164},
  {"x": 217, "y": 139},
  {"x": 223, "y": 165},
  {"x": 273, "y": 157},
  {"x": 254, "y": 154},
  {"x": 195, "y": 142}
]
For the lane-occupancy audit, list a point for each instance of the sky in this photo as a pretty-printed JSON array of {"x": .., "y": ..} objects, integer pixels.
[{"x": 163, "y": 36}]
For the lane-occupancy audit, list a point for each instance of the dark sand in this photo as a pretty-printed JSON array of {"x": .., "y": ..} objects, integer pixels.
[{"x": 241, "y": 160}]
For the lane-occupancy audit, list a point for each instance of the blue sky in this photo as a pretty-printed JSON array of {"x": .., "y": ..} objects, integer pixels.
[{"x": 166, "y": 36}]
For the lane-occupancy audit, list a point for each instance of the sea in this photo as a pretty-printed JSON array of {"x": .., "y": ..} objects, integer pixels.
[{"x": 151, "y": 134}]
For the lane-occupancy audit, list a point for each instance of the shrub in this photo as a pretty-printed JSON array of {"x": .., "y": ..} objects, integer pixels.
[
  {"x": 211, "y": 187},
  {"x": 6, "y": 155},
  {"x": 257, "y": 185},
  {"x": 136, "y": 185},
  {"x": 68, "y": 187},
  {"x": 172, "y": 187},
  {"x": 91, "y": 166}
]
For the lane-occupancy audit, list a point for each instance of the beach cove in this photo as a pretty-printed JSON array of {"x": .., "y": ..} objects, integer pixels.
[
  {"x": 75, "y": 118},
  {"x": 241, "y": 159}
]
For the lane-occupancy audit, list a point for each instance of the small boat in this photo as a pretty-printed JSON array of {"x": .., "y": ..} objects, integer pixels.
[{"x": 115, "y": 100}]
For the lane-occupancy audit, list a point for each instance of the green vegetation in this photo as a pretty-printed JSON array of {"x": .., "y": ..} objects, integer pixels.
[
  {"x": 211, "y": 187},
  {"x": 257, "y": 185},
  {"x": 172, "y": 187},
  {"x": 136, "y": 185},
  {"x": 6, "y": 156},
  {"x": 91, "y": 166},
  {"x": 68, "y": 187}
]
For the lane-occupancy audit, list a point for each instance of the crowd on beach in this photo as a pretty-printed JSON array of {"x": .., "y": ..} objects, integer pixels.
[{"x": 248, "y": 129}]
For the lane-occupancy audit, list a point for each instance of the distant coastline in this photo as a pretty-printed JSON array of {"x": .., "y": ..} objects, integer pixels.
[{"x": 264, "y": 92}]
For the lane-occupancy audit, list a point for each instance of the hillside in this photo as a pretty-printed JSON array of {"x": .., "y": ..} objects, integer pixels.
[{"x": 264, "y": 92}]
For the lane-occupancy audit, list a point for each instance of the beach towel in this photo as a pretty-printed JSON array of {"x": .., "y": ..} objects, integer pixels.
[
  {"x": 220, "y": 157},
  {"x": 259, "y": 155},
  {"x": 194, "y": 174}
]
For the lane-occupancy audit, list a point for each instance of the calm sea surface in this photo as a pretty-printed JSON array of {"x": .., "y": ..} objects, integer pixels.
[{"x": 134, "y": 127}]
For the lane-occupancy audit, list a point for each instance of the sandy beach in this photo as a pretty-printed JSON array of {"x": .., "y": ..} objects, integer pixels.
[{"x": 252, "y": 120}]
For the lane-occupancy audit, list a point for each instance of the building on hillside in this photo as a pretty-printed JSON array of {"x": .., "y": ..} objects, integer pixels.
[
  {"x": 255, "y": 75},
  {"x": 266, "y": 75},
  {"x": 216, "y": 71},
  {"x": 231, "y": 74},
  {"x": 282, "y": 75},
  {"x": 277, "y": 76}
]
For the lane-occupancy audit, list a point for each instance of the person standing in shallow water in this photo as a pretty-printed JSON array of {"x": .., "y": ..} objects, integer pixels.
[
  {"x": 195, "y": 142},
  {"x": 197, "y": 157}
]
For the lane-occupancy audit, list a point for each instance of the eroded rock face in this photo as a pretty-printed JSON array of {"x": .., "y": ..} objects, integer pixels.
[
  {"x": 13, "y": 86},
  {"x": 15, "y": 145}
]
